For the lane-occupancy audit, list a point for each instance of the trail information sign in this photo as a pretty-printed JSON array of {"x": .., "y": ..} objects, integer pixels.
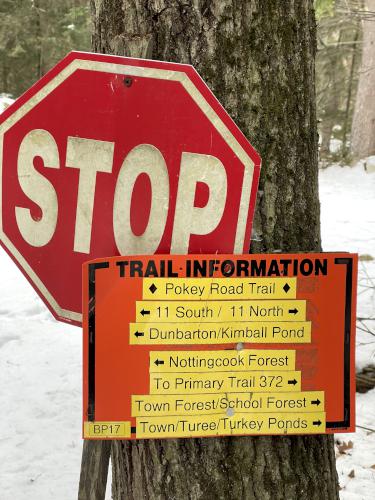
[{"x": 206, "y": 345}]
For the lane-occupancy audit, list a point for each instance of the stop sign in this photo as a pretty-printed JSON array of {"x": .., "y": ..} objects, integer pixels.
[{"x": 108, "y": 155}]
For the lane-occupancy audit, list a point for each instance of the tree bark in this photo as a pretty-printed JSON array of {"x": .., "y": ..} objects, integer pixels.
[
  {"x": 258, "y": 58},
  {"x": 332, "y": 102},
  {"x": 348, "y": 104},
  {"x": 94, "y": 470},
  {"x": 39, "y": 41},
  {"x": 363, "y": 126}
]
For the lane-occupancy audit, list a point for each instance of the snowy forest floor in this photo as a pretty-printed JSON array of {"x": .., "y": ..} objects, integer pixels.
[
  {"x": 40, "y": 364},
  {"x": 347, "y": 198}
]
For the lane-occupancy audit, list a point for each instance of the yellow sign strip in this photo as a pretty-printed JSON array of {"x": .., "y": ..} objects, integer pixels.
[
  {"x": 206, "y": 404},
  {"x": 238, "y": 424},
  {"x": 107, "y": 430},
  {"x": 215, "y": 311},
  {"x": 203, "y": 383},
  {"x": 288, "y": 332},
  {"x": 219, "y": 288},
  {"x": 224, "y": 360}
]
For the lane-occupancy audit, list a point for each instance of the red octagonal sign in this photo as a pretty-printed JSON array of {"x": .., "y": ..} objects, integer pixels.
[{"x": 108, "y": 155}]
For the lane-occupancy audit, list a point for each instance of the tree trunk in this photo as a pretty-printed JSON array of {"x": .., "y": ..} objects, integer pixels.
[
  {"x": 5, "y": 76},
  {"x": 363, "y": 127},
  {"x": 332, "y": 104},
  {"x": 39, "y": 42},
  {"x": 94, "y": 470},
  {"x": 258, "y": 58},
  {"x": 348, "y": 104}
]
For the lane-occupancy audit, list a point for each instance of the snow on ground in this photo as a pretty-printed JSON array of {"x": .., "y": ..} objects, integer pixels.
[
  {"x": 348, "y": 223},
  {"x": 40, "y": 397},
  {"x": 5, "y": 101},
  {"x": 40, "y": 365},
  {"x": 355, "y": 453}
]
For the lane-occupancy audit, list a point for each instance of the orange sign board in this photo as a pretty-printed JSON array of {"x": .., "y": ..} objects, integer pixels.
[{"x": 213, "y": 345}]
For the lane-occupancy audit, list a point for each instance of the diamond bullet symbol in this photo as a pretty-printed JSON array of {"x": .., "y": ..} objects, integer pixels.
[
  {"x": 152, "y": 288},
  {"x": 286, "y": 288}
]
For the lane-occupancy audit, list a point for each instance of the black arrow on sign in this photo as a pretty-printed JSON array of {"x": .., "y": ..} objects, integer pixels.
[
  {"x": 317, "y": 422},
  {"x": 139, "y": 334},
  {"x": 159, "y": 362},
  {"x": 144, "y": 312},
  {"x": 292, "y": 382},
  {"x": 293, "y": 311},
  {"x": 315, "y": 402}
]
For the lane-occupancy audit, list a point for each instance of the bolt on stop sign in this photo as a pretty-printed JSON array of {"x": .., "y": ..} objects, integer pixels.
[{"x": 108, "y": 155}]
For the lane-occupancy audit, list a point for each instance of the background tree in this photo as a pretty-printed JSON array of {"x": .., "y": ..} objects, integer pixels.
[
  {"x": 339, "y": 50},
  {"x": 363, "y": 128},
  {"x": 35, "y": 35},
  {"x": 258, "y": 58}
]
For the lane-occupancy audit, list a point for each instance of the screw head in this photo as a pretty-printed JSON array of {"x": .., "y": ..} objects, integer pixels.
[{"x": 128, "y": 81}]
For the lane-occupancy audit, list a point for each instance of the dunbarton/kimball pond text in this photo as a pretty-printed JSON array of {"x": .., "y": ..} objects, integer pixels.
[{"x": 176, "y": 333}]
